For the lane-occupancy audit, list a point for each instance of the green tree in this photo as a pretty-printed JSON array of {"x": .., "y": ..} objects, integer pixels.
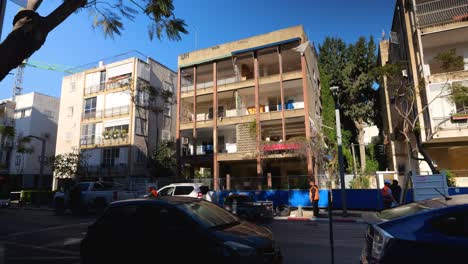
[
  {"x": 7, "y": 134},
  {"x": 30, "y": 29},
  {"x": 164, "y": 161},
  {"x": 357, "y": 97}
]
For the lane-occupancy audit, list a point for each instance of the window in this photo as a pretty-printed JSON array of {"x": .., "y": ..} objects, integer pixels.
[
  {"x": 268, "y": 62},
  {"x": 291, "y": 59},
  {"x": 102, "y": 80},
  {"x": 118, "y": 216},
  {"x": 88, "y": 134},
  {"x": 72, "y": 87},
  {"x": 110, "y": 156},
  {"x": 220, "y": 112},
  {"x": 168, "y": 191},
  {"x": 23, "y": 113},
  {"x": 183, "y": 190},
  {"x": 142, "y": 98},
  {"x": 207, "y": 214},
  {"x": 90, "y": 107},
  {"x": 49, "y": 113},
  {"x": 18, "y": 160},
  {"x": 165, "y": 135},
  {"x": 167, "y": 86},
  {"x": 70, "y": 111},
  {"x": 140, "y": 126},
  {"x": 167, "y": 122}
]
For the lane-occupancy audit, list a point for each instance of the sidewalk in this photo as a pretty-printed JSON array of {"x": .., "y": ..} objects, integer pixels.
[{"x": 307, "y": 215}]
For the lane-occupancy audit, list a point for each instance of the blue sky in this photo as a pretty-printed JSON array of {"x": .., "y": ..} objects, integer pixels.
[{"x": 75, "y": 43}]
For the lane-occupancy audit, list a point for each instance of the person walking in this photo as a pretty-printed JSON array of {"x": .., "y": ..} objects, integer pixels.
[
  {"x": 314, "y": 197},
  {"x": 396, "y": 190},
  {"x": 387, "y": 195}
]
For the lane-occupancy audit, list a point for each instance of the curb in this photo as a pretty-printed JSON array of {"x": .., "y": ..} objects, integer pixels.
[{"x": 302, "y": 219}]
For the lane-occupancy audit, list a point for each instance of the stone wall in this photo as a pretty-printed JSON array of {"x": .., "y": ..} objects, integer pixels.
[{"x": 245, "y": 140}]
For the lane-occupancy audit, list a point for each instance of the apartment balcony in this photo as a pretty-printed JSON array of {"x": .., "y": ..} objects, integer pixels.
[
  {"x": 108, "y": 112},
  {"x": 441, "y": 12},
  {"x": 114, "y": 84},
  {"x": 104, "y": 141}
]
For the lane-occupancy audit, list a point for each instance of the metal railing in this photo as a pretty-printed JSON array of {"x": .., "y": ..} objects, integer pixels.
[
  {"x": 446, "y": 122},
  {"x": 440, "y": 12},
  {"x": 107, "y": 86},
  {"x": 108, "y": 112},
  {"x": 104, "y": 170},
  {"x": 99, "y": 140}
]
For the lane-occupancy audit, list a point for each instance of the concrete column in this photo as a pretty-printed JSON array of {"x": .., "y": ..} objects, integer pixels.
[
  {"x": 177, "y": 134},
  {"x": 194, "y": 131},
  {"x": 283, "y": 126},
  {"x": 306, "y": 119},
  {"x": 228, "y": 181},
  {"x": 257, "y": 118},
  {"x": 215, "y": 131}
]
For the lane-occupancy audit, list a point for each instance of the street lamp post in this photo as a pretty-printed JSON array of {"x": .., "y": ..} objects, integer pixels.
[
  {"x": 41, "y": 158},
  {"x": 334, "y": 90}
]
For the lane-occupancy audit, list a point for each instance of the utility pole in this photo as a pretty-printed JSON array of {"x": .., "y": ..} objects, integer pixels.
[
  {"x": 354, "y": 160},
  {"x": 335, "y": 90}
]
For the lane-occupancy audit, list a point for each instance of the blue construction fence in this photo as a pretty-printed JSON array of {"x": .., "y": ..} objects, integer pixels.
[{"x": 357, "y": 199}]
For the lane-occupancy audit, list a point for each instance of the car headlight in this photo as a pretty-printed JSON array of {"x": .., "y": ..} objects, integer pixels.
[
  {"x": 241, "y": 249},
  {"x": 379, "y": 241}
]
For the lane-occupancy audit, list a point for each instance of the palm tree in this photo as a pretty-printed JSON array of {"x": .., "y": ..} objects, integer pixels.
[{"x": 7, "y": 133}]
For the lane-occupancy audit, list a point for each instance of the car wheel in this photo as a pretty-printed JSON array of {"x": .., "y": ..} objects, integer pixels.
[{"x": 59, "y": 206}]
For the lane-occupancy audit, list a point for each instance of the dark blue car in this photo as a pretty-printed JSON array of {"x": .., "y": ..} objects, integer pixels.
[{"x": 429, "y": 231}]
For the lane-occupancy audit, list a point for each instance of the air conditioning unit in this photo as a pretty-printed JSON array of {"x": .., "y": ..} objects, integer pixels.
[{"x": 185, "y": 141}]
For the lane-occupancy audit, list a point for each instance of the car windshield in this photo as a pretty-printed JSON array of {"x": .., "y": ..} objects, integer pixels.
[
  {"x": 209, "y": 215},
  {"x": 412, "y": 208}
]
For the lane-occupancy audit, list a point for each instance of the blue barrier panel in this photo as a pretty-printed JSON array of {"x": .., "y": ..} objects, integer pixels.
[
  {"x": 457, "y": 190},
  {"x": 368, "y": 199}
]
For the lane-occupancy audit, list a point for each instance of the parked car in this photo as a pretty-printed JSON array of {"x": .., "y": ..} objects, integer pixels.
[
  {"x": 175, "y": 228},
  {"x": 194, "y": 190},
  {"x": 95, "y": 196},
  {"x": 429, "y": 231},
  {"x": 244, "y": 206},
  {"x": 4, "y": 203}
]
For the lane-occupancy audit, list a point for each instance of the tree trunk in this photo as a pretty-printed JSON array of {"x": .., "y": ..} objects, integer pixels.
[
  {"x": 424, "y": 153},
  {"x": 362, "y": 148},
  {"x": 29, "y": 33}
]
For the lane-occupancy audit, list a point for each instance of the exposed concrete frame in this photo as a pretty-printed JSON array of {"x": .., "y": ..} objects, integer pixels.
[
  {"x": 178, "y": 122},
  {"x": 280, "y": 61},
  {"x": 215, "y": 171},
  {"x": 257, "y": 116},
  {"x": 306, "y": 116}
]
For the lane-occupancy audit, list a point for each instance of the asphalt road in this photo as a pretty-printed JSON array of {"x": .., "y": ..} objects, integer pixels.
[{"x": 41, "y": 237}]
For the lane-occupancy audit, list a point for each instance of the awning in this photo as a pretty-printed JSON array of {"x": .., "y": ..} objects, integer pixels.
[{"x": 266, "y": 46}]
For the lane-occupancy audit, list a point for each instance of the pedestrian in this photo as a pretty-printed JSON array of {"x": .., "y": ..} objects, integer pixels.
[
  {"x": 314, "y": 197},
  {"x": 396, "y": 190},
  {"x": 387, "y": 196},
  {"x": 152, "y": 192}
]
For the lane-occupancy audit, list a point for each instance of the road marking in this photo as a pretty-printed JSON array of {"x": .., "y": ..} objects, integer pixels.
[
  {"x": 42, "y": 248},
  {"x": 43, "y": 230}
]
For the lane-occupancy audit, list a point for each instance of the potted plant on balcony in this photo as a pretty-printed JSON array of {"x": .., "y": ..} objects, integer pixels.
[
  {"x": 106, "y": 134},
  {"x": 123, "y": 133},
  {"x": 115, "y": 133},
  {"x": 459, "y": 116}
]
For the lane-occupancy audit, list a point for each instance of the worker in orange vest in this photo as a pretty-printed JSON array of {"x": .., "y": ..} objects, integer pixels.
[
  {"x": 387, "y": 195},
  {"x": 314, "y": 197},
  {"x": 152, "y": 192}
]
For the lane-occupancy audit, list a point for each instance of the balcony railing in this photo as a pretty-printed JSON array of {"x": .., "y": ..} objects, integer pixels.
[
  {"x": 447, "y": 122},
  {"x": 101, "y": 141},
  {"x": 441, "y": 12},
  {"x": 108, "y": 86},
  {"x": 108, "y": 112}
]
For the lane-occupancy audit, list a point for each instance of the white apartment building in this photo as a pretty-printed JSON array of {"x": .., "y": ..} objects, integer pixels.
[
  {"x": 101, "y": 115},
  {"x": 422, "y": 30},
  {"x": 31, "y": 115}
]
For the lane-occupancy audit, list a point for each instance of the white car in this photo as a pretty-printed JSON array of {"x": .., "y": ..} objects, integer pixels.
[{"x": 195, "y": 190}]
